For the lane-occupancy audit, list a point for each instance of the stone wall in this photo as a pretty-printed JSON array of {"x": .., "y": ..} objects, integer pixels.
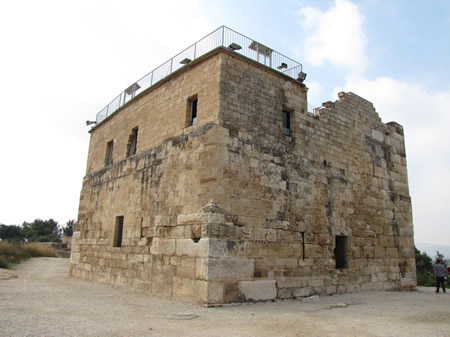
[
  {"x": 341, "y": 172},
  {"x": 175, "y": 170},
  {"x": 158, "y": 253},
  {"x": 160, "y": 113},
  {"x": 233, "y": 209}
]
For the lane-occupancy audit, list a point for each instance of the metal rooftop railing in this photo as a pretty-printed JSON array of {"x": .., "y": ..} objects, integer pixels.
[{"x": 221, "y": 37}]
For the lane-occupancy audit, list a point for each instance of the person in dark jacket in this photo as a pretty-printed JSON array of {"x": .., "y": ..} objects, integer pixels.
[{"x": 439, "y": 275}]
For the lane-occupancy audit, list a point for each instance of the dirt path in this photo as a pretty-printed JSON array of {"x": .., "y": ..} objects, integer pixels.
[{"x": 44, "y": 301}]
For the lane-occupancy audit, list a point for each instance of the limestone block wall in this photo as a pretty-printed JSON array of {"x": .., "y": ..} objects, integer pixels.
[
  {"x": 160, "y": 113},
  {"x": 176, "y": 170},
  {"x": 340, "y": 176},
  {"x": 161, "y": 251}
]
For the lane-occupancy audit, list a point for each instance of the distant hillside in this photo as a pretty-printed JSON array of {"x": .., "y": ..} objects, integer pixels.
[{"x": 431, "y": 249}]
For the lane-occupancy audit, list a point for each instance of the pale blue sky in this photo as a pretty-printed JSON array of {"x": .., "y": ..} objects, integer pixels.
[{"x": 63, "y": 61}]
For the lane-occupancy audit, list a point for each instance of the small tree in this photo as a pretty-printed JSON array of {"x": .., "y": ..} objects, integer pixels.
[
  {"x": 12, "y": 233},
  {"x": 424, "y": 269},
  {"x": 423, "y": 262},
  {"x": 441, "y": 257},
  {"x": 42, "y": 231},
  {"x": 70, "y": 227}
]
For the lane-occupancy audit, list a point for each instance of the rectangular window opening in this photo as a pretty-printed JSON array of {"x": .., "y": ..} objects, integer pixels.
[
  {"x": 303, "y": 245},
  {"x": 286, "y": 122},
  {"x": 340, "y": 252},
  {"x": 118, "y": 232},
  {"x": 109, "y": 152},
  {"x": 132, "y": 142},
  {"x": 142, "y": 228},
  {"x": 192, "y": 112}
]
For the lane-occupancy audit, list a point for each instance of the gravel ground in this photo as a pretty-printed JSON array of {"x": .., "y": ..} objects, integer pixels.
[{"x": 44, "y": 301}]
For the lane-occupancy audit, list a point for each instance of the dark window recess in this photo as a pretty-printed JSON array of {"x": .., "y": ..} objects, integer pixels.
[
  {"x": 340, "y": 252},
  {"x": 196, "y": 233},
  {"x": 132, "y": 142},
  {"x": 193, "y": 112},
  {"x": 303, "y": 245},
  {"x": 109, "y": 153},
  {"x": 286, "y": 123},
  {"x": 118, "y": 232}
]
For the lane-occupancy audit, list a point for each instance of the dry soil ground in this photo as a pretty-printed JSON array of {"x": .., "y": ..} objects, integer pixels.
[{"x": 44, "y": 301}]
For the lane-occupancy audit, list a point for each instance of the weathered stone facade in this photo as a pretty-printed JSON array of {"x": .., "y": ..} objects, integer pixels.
[{"x": 242, "y": 206}]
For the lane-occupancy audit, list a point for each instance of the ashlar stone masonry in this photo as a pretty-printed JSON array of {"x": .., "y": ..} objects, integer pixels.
[{"x": 256, "y": 199}]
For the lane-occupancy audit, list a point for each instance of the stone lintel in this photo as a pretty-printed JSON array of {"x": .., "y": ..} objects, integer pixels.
[{"x": 200, "y": 218}]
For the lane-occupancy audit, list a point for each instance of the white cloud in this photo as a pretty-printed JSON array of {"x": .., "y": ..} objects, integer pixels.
[
  {"x": 335, "y": 36},
  {"x": 420, "y": 111},
  {"x": 61, "y": 63},
  {"x": 425, "y": 119},
  {"x": 315, "y": 91}
]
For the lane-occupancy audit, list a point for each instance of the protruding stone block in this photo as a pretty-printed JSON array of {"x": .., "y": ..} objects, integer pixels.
[
  {"x": 259, "y": 290},
  {"x": 230, "y": 269},
  {"x": 191, "y": 248}
]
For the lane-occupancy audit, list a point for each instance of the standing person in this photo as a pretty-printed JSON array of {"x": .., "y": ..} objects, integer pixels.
[{"x": 439, "y": 274}]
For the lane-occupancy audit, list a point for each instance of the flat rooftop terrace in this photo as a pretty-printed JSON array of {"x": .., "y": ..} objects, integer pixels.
[{"x": 221, "y": 37}]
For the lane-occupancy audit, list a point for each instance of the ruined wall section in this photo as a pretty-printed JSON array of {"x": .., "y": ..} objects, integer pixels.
[{"x": 341, "y": 173}]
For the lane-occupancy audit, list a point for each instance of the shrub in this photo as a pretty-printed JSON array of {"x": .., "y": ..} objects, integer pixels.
[
  {"x": 5, "y": 247},
  {"x": 14, "y": 253},
  {"x": 70, "y": 227},
  {"x": 4, "y": 262},
  {"x": 11, "y": 233},
  {"x": 425, "y": 279},
  {"x": 37, "y": 250},
  {"x": 424, "y": 269}
]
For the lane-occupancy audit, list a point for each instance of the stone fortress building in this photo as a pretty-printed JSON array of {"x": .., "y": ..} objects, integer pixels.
[{"x": 211, "y": 179}]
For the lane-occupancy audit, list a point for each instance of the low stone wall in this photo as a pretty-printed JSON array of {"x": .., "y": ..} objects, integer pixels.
[{"x": 62, "y": 248}]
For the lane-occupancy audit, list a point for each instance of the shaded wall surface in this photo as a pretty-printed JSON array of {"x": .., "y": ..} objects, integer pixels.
[{"x": 242, "y": 206}]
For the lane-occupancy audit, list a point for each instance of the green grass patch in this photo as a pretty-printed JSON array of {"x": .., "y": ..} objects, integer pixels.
[{"x": 14, "y": 253}]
